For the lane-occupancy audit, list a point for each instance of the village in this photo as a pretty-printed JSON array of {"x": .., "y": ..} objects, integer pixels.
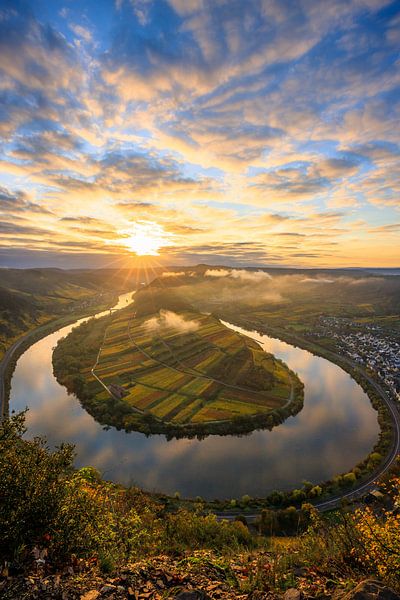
[{"x": 369, "y": 344}]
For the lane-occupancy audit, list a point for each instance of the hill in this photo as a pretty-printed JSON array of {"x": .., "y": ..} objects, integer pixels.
[
  {"x": 291, "y": 293},
  {"x": 175, "y": 369},
  {"x": 32, "y": 297}
]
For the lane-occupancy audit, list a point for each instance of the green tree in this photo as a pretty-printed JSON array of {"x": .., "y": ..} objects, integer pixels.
[
  {"x": 349, "y": 478},
  {"x": 31, "y": 486}
]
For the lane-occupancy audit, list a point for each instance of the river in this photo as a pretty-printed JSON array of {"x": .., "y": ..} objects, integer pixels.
[{"x": 336, "y": 428}]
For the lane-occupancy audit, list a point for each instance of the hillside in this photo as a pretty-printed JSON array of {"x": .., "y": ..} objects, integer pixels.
[
  {"x": 288, "y": 294},
  {"x": 31, "y": 297},
  {"x": 177, "y": 366},
  {"x": 70, "y": 535}
]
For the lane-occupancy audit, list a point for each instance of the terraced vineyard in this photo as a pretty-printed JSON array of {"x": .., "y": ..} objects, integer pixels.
[{"x": 185, "y": 368}]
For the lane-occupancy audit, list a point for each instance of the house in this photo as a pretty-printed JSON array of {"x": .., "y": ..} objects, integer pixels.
[{"x": 116, "y": 390}]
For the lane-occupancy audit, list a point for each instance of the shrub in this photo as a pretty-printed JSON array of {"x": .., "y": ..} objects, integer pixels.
[
  {"x": 349, "y": 478},
  {"x": 31, "y": 487},
  {"x": 184, "y": 530},
  {"x": 361, "y": 541},
  {"x": 45, "y": 503}
]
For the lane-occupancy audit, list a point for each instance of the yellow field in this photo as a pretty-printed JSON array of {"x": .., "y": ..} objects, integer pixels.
[{"x": 201, "y": 373}]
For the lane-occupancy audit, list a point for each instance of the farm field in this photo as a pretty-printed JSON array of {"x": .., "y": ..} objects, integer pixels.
[{"x": 181, "y": 367}]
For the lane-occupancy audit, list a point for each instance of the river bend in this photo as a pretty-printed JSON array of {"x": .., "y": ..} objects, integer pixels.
[{"x": 336, "y": 428}]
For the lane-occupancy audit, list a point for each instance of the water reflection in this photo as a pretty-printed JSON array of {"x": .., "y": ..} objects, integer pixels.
[{"x": 336, "y": 429}]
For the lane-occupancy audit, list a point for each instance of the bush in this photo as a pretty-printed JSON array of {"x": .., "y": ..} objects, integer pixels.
[
  {"x": 184, "y": 530},
  {"x": 45, "y": 503},
  {"x": 363, "y": 541},
  {"x": 31, "y": 488},
  {"x": 349, "y": 478}
]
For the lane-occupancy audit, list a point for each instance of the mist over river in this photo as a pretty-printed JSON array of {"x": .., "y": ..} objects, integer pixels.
[{"x": 336, "y": 428}]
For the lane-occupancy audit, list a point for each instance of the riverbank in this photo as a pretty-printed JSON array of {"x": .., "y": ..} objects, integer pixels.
[
  {"x": 12, "y": 354},
  {"x": 363, "y": 476}
]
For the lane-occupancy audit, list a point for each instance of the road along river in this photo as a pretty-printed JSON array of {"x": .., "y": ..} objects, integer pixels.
[{"x": 336, "y": 429}]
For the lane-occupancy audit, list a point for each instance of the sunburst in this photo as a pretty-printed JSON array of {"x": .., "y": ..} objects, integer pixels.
[{"x": 146, "y": 238}]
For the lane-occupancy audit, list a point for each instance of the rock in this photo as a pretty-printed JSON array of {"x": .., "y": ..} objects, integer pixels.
[
  {"x": 192, "y": 595},
  {"x": 300, "y": 571},
  {"x": 292, "y": 594},
  {"x": 370, "y": 589},
  {"x": 108, "y": 588}
]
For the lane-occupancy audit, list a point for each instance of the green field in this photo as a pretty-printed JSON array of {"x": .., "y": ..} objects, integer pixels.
[{"x": 206, "y": 374}]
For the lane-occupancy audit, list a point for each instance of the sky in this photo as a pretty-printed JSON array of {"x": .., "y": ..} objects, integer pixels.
[{"x": 238, "y": 132}]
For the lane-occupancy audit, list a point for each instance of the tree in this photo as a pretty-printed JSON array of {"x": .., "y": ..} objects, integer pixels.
[
  {"x": 315, "y": 491},
  {"x": 298, "y": 495},
  {"x": 349, "y": 478},
  {"x": 32, "y": 487}
]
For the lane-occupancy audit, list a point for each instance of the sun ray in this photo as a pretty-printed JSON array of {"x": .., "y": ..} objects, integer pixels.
[{"x": 145, "y": 238}]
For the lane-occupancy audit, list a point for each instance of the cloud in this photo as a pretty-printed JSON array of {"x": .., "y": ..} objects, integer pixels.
[
  {"x": 18, "y": 202},
  {"x": 239, "y": 274},
  {"x": 317, "y": 280},
  {"x": 222, "y": 122},
  {"x": 250, "y": 276},
  {"x": 242, "y": 274},
  {"x": 170, "y": 320},
  {"x": 174, "y": 274},
  {"x": 15, "y": 229},
  {"x": 388, "y": 228},
  {"x": 217, "y": 273},
  {"x": 82, "y": 32}
]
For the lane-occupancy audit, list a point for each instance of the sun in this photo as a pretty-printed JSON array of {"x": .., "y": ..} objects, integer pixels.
[{"x": 146, "y": 238}]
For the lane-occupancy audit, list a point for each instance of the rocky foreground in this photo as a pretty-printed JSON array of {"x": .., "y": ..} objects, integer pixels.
[{"x": 199, "y": 576}]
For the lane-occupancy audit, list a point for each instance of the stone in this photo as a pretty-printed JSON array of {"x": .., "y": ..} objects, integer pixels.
[
  {"x": 108, "y": 588},
  {"x": 259, "y": 595},
  {"x": 292, "y": 594},
  {"x": 370, "y": 589},
  {"x": 300, "y": 571}
]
